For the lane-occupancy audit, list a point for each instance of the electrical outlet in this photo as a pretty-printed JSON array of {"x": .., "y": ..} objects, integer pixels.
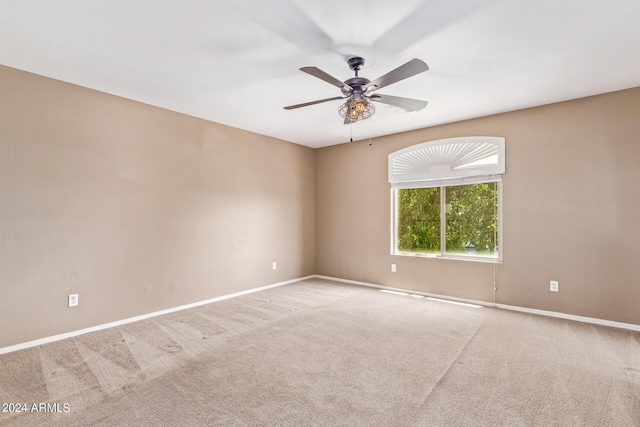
[
  {"x": 274, "y": 265},
  {"x": 73, "y": 300},
  {"x": 553, "y": 286},
  {"x": 393, "y": 268}
]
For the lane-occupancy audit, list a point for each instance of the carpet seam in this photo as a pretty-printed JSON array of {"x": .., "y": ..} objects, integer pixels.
[
  {"x": 446, "y": 372},
  {"x": 606, "y": 401}
]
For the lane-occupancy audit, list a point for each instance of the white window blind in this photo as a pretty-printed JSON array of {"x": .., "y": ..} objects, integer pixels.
[{"x": 452, "y": 161}]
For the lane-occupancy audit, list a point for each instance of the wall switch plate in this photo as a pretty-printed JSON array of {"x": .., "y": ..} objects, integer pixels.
[
  {"x": 553, "y": 286},
  {"x": 73, "y": 300},
  {"x": 274, "y": 265},
  {"x": 393, "y": 268}
]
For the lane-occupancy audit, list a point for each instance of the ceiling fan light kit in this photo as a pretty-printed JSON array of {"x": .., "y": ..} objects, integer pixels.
[
  {"x": 358, "y": 91},
  {"x": 357, "y": 109}
]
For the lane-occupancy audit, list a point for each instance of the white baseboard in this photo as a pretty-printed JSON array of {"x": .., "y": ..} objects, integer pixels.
[
  {"x": 583, "y": 319},
  {"x": 141, "y": 317},
  {"x": 592, "y": 320},
  {"x": 389, "y": 288}
]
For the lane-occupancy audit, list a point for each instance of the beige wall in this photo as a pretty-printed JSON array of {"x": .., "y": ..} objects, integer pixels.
[
  {"x": 136, "y": 208},
  {"x": 139, "y": 209},
  {"x": 571, "y": 198}
]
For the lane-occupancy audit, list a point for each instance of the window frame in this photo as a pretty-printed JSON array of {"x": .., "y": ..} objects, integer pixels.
[{"x": 443, "y": 226}]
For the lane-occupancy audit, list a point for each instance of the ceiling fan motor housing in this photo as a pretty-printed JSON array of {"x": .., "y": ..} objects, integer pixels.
[{"x": 355, "y": 83}]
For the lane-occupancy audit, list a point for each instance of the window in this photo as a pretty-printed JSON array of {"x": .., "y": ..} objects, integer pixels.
[
  {"x": 448, "y": 220},
  {"x": 446, "y": 198}
]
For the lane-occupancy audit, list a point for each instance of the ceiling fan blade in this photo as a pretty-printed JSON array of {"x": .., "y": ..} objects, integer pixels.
[
  {"x": 429, "y": 18},
  {"x": 411, "y": 68},
  {"x": 317, "y": 72},
  {"x": 397, "y": 101},
  {"x": 306, "y": 104}
]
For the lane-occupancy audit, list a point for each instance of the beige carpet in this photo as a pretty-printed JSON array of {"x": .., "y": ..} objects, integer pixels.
[{"x": 327, "y": 354}]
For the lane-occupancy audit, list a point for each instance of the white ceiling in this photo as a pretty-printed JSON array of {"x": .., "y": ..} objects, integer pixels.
[{"x": 236, "y": 62}]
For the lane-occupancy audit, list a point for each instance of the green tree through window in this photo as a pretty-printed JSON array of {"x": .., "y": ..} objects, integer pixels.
[
  {"x": 470, "y": 220},
  {"x": 419, "y": 220}
]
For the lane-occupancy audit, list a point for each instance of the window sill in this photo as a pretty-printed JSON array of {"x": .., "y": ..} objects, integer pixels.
[{"x": 488, "y": 260}]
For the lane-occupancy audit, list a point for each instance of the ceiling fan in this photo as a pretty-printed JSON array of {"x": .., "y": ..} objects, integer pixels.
[{"x": 358, "y": 91}]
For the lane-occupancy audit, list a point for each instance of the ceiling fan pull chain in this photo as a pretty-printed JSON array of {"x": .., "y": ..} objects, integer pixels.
[{"x": 351, "y": 128}]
